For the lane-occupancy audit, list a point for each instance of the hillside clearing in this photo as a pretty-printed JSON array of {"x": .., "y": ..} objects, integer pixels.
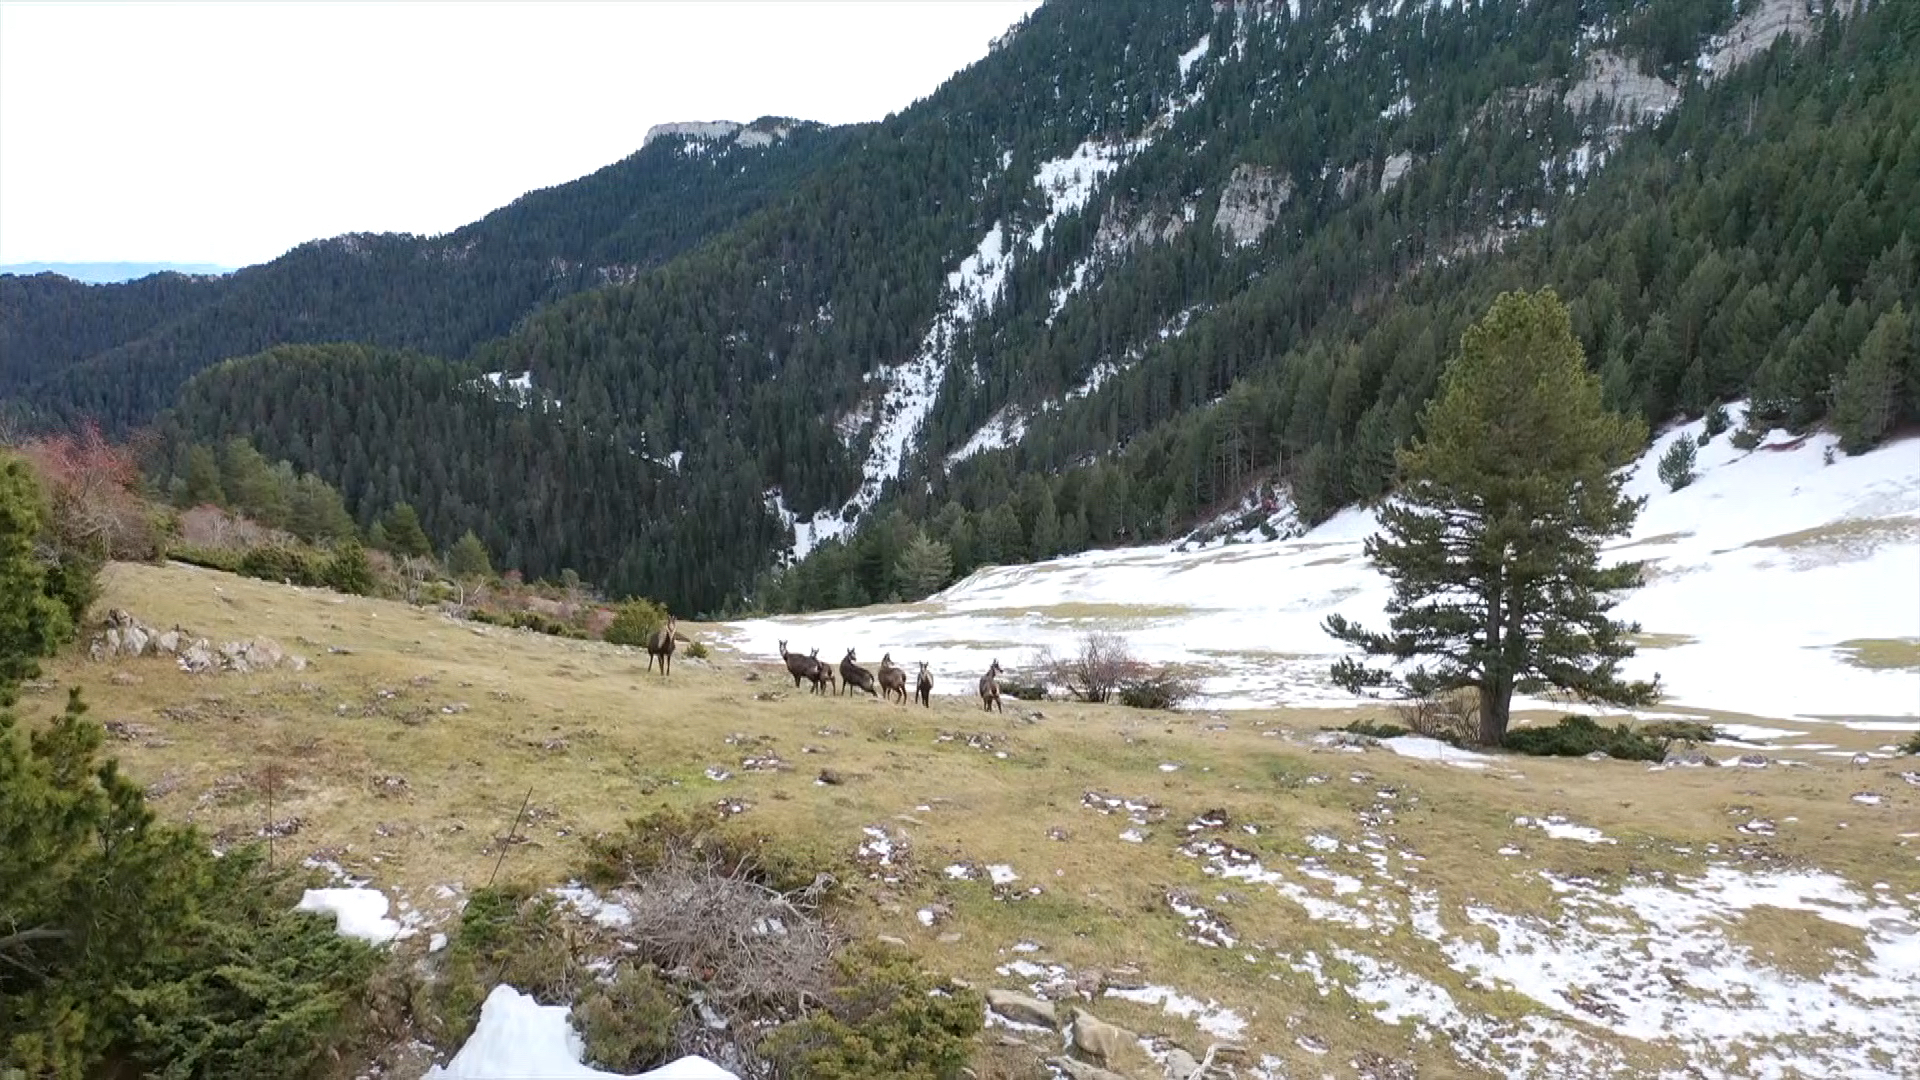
[{"x": 1197, "y": 876}]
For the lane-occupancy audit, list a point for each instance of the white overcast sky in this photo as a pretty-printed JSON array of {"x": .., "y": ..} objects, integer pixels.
[{"x": 227, "y": 133}]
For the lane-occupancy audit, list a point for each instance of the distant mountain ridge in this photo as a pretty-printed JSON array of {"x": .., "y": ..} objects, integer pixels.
[
  {"x": 113, "y": 273},
  {"x": 1149, "y": 263}
]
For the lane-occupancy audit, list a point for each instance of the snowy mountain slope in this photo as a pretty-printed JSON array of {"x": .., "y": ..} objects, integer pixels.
[{"x": 1759, "y": 572}]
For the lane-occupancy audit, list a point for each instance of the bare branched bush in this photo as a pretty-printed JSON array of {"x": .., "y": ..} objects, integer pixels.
[
  {"x": 94, "y": 494},
  {"x": 1451, "y": 716},
  {"x": 1095, "y": 672},
  {"x": 1163, "y": 688},
  {"x": 755, "y": 955}
]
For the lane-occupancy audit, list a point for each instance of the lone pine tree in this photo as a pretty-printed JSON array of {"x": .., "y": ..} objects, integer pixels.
[{"x": 1492, "y": 544}]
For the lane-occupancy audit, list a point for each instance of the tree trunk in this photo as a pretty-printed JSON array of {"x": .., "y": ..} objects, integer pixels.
[{"x": 1496, "y": 705}]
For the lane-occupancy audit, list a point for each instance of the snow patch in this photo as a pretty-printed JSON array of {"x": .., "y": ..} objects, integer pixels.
[
  {"x": 520, "y": 1039},
  {"x": 358, "y": 912}
]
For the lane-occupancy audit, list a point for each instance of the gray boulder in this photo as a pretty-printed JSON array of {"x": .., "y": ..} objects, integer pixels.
[{"x": 1022, "y": 1008}]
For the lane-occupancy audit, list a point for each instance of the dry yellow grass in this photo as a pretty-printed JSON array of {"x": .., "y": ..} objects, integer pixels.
[{"x": 411, "y": 740}]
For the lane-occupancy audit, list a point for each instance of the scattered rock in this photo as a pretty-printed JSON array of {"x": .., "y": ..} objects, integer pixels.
[
  {"x": 889, "y": 939},
  {"x": 1690, "y": 756},
  {"x": 1345, "y": 740},
  {"x": 125, "y": 678},
  {"x": 1180, "y": 1065},
  {"x": 1752, "y": 761},
  {"x": 1021, "y": 1008},
  {"x": 951, "y": 937},
  {"x": 1099, "y": 1040},
  {"x": 1080, "y": 1070}
]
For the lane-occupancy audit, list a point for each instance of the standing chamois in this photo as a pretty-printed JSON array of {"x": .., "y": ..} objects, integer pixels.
[
  {"x": 990, "y": 689},
  {"x": 923, "y": 690},
  {"x": 822, "y": 674},
  {"x": 893, "y": 680},
  {"x": 854, "y": 676},
  {"x": 661, "y": 648},
  {"x": 800, "y": 667}
]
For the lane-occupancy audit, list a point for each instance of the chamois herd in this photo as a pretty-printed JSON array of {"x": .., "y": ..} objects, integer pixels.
[{"x": 890, "y": 683}]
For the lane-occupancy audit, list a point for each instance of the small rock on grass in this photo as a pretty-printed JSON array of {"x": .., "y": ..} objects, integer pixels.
[{"x": 1021, "y": 1008}]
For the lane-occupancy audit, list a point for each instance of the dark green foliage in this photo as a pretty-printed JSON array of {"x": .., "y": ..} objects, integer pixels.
[
  {"x": 1717, "y": 422},
  {"x": 883, "y": 1018},
  {"x": 35, "y": 617},
  {"x": 698, "y": 651},
  {"x": 1912, "y": 745},
  {"x": 1375, "y": 729},
  {"x": 1676, "y": 465},
  {"x": 131, "y": 948},
  {"x": 509, "y": 934},
  {"x": 121, "y": 352},
  {"x": 1023, "y": 691},
  {"x": 468, "y": 558},
  {"x": 1165, "y": 688},
  {"x": 1493, "y": 547},
  {"x": 227, "y": 559},
  {"x": 925, "y": 566},
  {"x": 636, "y": 622},
  {"x": 1680, "y": 731},
  {"x": 1578, "y": 736},
  {"x": 627, "y": 1023},
  {"x": 348, "y": 569},
  {"x": 404, "y": 536},
  {"x": 1866, "y": 396},
  {"x": 527, "y": 620},
  {"x": 292, "y": 566},
  {"x": 648, "y": 840}
]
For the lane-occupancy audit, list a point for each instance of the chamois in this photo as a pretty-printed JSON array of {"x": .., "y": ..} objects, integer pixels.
[
  {"x": 893, "y": 680},
  {"x": 800, "y": 667},
  {"x": 661, "y": 648},
  {"x": 853, "y": 676},
  {"x": 822, "y": 674},
  {"x": 923, "y": 690},
  {"x": 990, "y": 689}
]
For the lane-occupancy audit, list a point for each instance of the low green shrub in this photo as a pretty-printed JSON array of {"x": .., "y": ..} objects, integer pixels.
[
  {"x": 527, "y": 620},
  {"x": 284, "y": 564},
  {"x": 1374, "y": 729},
  {"x": 636, "y": 622},
  {"x": 698, "y": 651},
  {"x": 1578, "y": 736},
  {"x": 883, "y": 1017},
  {"x": 647, "y": 841},
  {"x": 507, "y": 934},
  {"x": 1165, "y": 688},
  {"x": 1023, "y": 691},
  {"x": 349, "y": 570},
  {"x": 1680, "y": 731},
  {"x": 627, "y": 1023},
  {"x": 227, "y": 559},
  {"x": 1911, "y": 746}
]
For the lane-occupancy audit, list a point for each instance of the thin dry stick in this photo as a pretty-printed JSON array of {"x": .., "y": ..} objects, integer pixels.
[{"x": 508, "y": 842}]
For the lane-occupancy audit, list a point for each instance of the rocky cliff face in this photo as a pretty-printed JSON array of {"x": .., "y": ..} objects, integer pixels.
[{"x": 1250, "y": 202}]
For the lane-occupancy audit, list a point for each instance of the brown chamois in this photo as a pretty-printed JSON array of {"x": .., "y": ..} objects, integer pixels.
[
  {"x": 822, "y": 674},
  {"x": 853, "y": 676},
  {"x": 893, "y": 680},
  {"x": 800, "y": 667},
  {"x": 923, "y": 690},
  {"x": 990, "y": 689},
  {"x": 661, "y": 647}
]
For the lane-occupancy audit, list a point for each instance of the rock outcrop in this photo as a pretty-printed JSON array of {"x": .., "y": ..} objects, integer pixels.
[
  {"x": 1614, "y": 79},
  {"x": 126, "y": 636},
  {"x": 1251, "y": 202}
]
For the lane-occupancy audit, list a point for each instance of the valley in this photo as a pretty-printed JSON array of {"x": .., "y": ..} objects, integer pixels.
[{"x": 1235, "y": 877}]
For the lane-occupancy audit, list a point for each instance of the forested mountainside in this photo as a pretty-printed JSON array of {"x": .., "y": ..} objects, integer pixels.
[
  {"x": 121, "y": 352},
  {"x": 1147, "y": 257}
]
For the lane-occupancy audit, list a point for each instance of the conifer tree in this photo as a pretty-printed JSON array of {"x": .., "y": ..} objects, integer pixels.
[
  {"x": 1866, "y": 396},
  {"x": 404, "y": 536},
  {"x": 1493, "y": 544},
  {"x": 33, "y": 622},
  {"x": 468, "y": 559}
]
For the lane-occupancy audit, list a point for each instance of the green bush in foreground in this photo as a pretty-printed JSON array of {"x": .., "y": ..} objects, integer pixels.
[
  {"x": 1911, "y": 746},
  {"x": 130, "y": 949},
  {"x": 884, "y": 1017},
  {"x": 627, "y": 1023}
]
